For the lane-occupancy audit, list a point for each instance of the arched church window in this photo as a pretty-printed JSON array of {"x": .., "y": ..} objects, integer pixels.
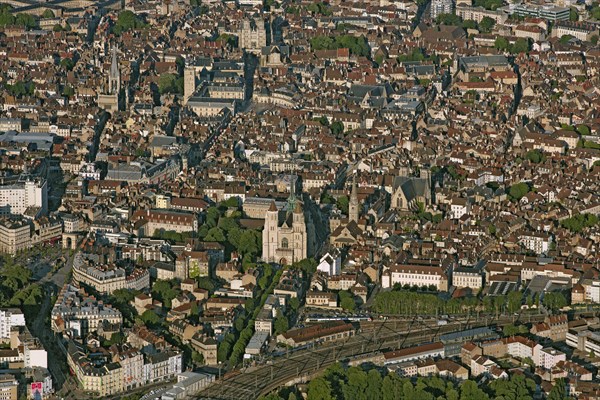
[{"x": 284, "y": 243}]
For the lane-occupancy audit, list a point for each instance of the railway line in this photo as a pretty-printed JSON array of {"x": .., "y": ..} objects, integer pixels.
[{"x": 371, "y": 339}]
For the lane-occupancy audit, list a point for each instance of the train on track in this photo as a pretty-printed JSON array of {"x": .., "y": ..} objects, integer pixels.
[{"x": 349, "y": 318}]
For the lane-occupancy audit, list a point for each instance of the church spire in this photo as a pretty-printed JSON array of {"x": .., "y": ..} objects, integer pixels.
[
  {"x": 353, "y": 204},
  {"x": 114, "y": 77},
  {"x": 292, "y": 198}
]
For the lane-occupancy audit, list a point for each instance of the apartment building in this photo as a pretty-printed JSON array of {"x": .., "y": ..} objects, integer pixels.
[
  {"x": 580, "y": 30},
  {"x": 108, "y": 278},
  {"x": 554, "y": 327},
  {"x": 536, "y": 242},
  {"x": 77, "y": 313},
  {"x": 415, "y": 275},
  {"x": 9, "y": 318},
  {"x": 521, "y": 347},
  {"x": 151, "y": 221},
  {"x": 15, "y": 235},
  {"x": 439, "y": 7},
  {"x": 481, "y": 365},
  {"x": 549, "y": 357},
  {"x": 8, "y": 387},
  {"x": 549, "y": 12},
  {"x": 17, "y": 198},
  {"x": 193, "y": 264},
  {"x": 477, "y": 14},
  {"x": 552, "y": 271},
  {"x": 321, "y": 299},
  {"x": 127, "y": 370},
  {"x": 467, "y": 278},
  {"x": 592, "y": 290},
  {"x": 207, "y": 346}
]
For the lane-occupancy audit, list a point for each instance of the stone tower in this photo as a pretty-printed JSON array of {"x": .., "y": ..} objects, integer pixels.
[
  {"x": 270, "y": 237},
  {"x": 425, "y": 174},
  {"x": 189, "y": 83},
  {"x": 108, "y": 98},
  {"x": 299, "y": 229},
  {"x": 114, "y": 77},
  {"x": 353, "y": 205}
]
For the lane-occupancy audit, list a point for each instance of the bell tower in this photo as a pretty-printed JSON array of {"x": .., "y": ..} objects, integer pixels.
[
  {"x": 353, "y": 205},
  {"x": 114, "y": 77}
]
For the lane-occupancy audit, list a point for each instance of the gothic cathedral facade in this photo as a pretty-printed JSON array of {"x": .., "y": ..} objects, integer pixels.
[{"x": 285, "y": 242}]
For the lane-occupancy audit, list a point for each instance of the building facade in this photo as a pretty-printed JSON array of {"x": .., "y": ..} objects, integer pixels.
[
  {"x": 16, "y": 198},
  {"x": 286, "y": 241}
]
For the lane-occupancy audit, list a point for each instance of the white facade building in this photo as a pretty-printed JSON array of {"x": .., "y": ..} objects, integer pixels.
[
  {"x": 8, "y": 319},
  {"x": 18, "y": 197},
  {"x": 549, "y": 357},
  {"x": 441, "y": 7},
  {"x": 538, "y": 243},
  {"x": 330, "y": 263}
]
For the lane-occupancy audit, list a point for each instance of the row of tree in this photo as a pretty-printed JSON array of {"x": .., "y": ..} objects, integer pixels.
[
  {"x": 406, "y": 302},
  {"x": 7, "y": 18},
  {"x": 369, "y": 383},
  {"x": 579, "y": 222},
  {"x": 16, "y": 289}
]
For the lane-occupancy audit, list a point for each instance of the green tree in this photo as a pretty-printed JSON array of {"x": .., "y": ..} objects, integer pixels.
[
  {"x": 215, "y": 235},
  {"x": 573, "y": 15},
  {"x": 469, "y": 24},
  {"x": 579, "y": 222},
  {"x": 518, "y": 190},
  {"x": 347, "y": 300},
  {"x": 320, "y": 8},
  {"x": 521, "y": 46},
  {"x": 149, "y": 318},
  {"x": 535, "y": 156},
  {"x": 281, "y": 324},
  {"x": 488, "y": 4},
  {"x": 6, "y": 18},
  {"x": 583, "y": 130},
  {"x": 294, "y": 303},
  {"x": 343, "y": 204},
  {"x": 449, "y": 19},
  {"x": 48, "y": 13},
  {"x": 356, "y": 45},
  {"x": 564, "y": 39},
  {"x": 391, "y": 387},
  {"x": 25, "y": 20},
  {"x": 514, "y": 301},
  {"x": 470, "y": 391},
  {"x": 501, "y": 43},
  {"x": 68, "y": 91},
  {"x": 126, "y": 21},
  {"x": 67, "y": 64},
  {"x": 250, "y": 242},
  {"x": 487, "y": 24},
  {"x": 319, "y": 389},
  {"x": 337, "y": 128},
  {"x": 165, "y": 291},
  {"x": 57, "y": 28},
  {"x": 559, "y": 391},
  {"x": 554, "y": 301},
  {"x": 167, "y": 83},
  {"x": 374, "y": 385}
]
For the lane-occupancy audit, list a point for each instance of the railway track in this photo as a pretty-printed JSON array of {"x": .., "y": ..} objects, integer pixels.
[{"x": 373, "y": 338}]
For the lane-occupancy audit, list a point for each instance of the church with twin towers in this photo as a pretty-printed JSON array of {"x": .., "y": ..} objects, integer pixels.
[{"x": 289, "y": 233}]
